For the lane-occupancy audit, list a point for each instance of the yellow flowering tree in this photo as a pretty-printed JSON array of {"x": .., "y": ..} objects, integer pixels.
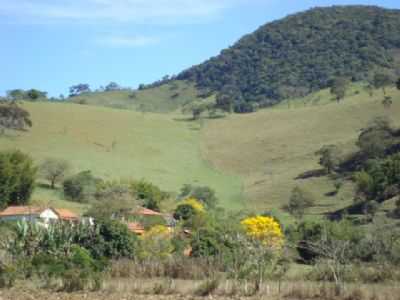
[
  {"x": 261, "y": 247},
  {"x": 196, "y": 204},
  {"x": 264, "y": 229}
]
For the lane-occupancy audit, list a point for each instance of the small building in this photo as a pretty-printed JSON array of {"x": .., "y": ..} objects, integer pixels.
[
  {"x": 37, "y": 214},
  {"x": 145, "y": 212},
  {"x": 28, "y": 213},
  {"x": 136, "y": 228},
  {"x": 66, "y": 215}
]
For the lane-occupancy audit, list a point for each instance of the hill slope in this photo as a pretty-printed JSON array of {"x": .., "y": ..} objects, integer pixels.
[
  {"x": 302, "y": 53},
  {"x": 165, "y": 98},
  {"x": 271, "y": 148},
  {"x": 116, "y": 144}
]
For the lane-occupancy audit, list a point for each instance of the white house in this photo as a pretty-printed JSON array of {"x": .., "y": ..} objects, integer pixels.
[{"x": 36, "y": 214}]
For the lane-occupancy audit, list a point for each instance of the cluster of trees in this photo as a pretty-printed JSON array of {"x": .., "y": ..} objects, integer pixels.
[
  {"x": 300, "y": 54},
  {"x": 28, "y": 95},
  {"x": 112, "y": 197},
  {"x": 166, "y": 79},
  {"x": 374, "y": 168},
  {"x": 83, "y": 88}
]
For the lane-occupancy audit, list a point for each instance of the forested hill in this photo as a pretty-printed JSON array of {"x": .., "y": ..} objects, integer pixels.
[{"x": 302, "y": 53}]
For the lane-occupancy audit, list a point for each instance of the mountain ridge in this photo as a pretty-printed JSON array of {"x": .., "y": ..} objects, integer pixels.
[{"x": 302, "y": 53}]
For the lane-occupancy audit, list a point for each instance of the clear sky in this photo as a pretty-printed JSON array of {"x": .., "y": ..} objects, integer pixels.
[{"x": 53, "y": 44}]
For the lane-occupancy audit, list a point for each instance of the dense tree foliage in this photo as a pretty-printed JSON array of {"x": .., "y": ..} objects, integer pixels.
[
  {"x": 375, "y": 139},
  {"x": 148, "y": 194},
  {"x": 204, "y": 194},
  {"x": 81, "y": 187},
  {"x": 29, "y": 95},
  {"x": 112, "y": 86},
  {"x": 17, "y": 178},
  {"x": 300, "y": 54},
  {"x": 380, "y": 179},
  {"x": 78, "y": 89}
]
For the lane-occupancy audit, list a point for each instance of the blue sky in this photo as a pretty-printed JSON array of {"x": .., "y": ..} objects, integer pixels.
[{"x": 53, "y": 44}]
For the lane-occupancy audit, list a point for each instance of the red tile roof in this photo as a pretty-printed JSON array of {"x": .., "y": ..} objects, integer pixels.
[
  {"x": 135, "y": 227},
  {"x": 21, "y": 211},
  {"x": 142, "y": 211},
  {"x": 66, "y": 214}
]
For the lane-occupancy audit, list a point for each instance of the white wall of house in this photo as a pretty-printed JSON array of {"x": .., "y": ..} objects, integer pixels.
[
  {"x": 48, "y": 215},
  {"x": 30, "y": 218}
]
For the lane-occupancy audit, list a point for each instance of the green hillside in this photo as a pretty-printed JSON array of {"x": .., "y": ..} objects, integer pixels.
[
  {"x": 271, "y": 148},
  {"x": 114, "y": 144},
  {"x": 164, "y": 98},
  {"x": 302, "y": 53}
]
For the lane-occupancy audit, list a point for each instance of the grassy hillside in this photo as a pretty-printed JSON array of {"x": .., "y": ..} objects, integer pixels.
[
  {"x": 165, "y": 98},
  {"x": 121, "y": 144},
  {"x": 270, "y": 148}
]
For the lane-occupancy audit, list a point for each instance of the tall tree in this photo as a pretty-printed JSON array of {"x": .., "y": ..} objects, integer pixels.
[
  {"x": 78, "y": 89},
  {"x": 381, "y": 80},
  {"x": 54, "y": 170},
  {"x": 299, "y": 201},
  {"x": 17, "y": 178},
  {"x": 329, "y": 157},
  {"x": 112, "y": 86},
  {"x": 398, "y": 84},
  {"x": 338, "y": 88},
  {"x": 387, "y": 102}
]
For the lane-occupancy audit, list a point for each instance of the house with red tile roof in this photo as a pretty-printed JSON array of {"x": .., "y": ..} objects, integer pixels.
[
  {"x": 66, "y": 214},
  {"x": 142, "y": 211},
  {"x": 136, "y": 228},
  {"x": 37, "y": 214}
]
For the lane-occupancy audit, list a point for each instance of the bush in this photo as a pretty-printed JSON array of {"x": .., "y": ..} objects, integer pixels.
[
  {"x": 204, "y": 194},
  {"x": 81, "y": 187},
  {"x": 184, "y": 212},
  {"x": 207, "y": 287},
  {"x": 299, "y": 201},
  {"x": 206, "y": 242},
  {"x": 8, "y": 275},
  {"x": 17, "y": 178},
  {"x": 148, "y": 193},
  {"x": 115, "y": 240}
]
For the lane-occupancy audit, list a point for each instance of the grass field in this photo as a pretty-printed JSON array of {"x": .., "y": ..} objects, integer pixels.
[
  {"x": 162, "y": 148},
  {"x": 166, "y": 98},
  {"x": 270, "y": 148},
  {"x": 251, "y": 160},
  {"x": 164, "y": 289}
]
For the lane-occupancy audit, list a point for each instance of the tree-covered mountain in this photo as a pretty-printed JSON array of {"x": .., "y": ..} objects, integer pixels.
[{"x": 300, "y": 54}]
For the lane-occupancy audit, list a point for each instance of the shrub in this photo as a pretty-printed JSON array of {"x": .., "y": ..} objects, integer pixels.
[
  {"x": 207, "y": 287},
  {"x": 204, "y": 194},
  {"x": 205, "y": 242},
  {"x": 80, "y": 187},
  {"x": 184, "y": 212},
  {"x": 8, "y": 275},
  {"x": 150, "y": 194},
  {"x": 156, "y": 243},
  {"x": 17, "y": 178},
  {"x": 299, "y": 201},
  {"x": 115, "y": 240}
]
